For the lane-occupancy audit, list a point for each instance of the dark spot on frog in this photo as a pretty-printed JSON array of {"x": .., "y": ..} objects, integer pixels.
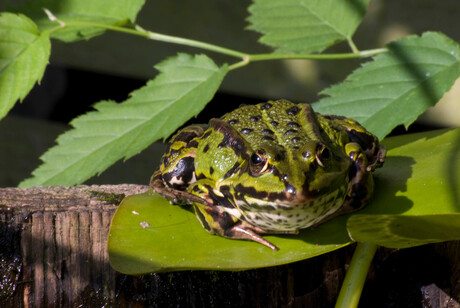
[
  {"x": 251, "y": 191},
  {"x": 266, "y": 106},
  {"x": 237, "y": 146},
  {"x": 231, "y": 138},
  {"x": 255, "y": 118},
  {"x": 233, "y": 121},
  {"x": 218, "y": 200},
  {"x": 295, "y": 148},
  {"x": 274, "y": 123},
  {"x": 223, "y": 218},
  {"x": 233, "y": 170},
  {"x": 267, "y": 131},
  {"x": 185, "y": 136},
  {"x": 296, "y": 139},
  {"x": 211, "y": 170},
  {"x": 184, "y": 171},
  {"x": 293, "y": 110},
  {"x": 290, "y": 131},
  {"x": 196, "y": 189},
  {"x": 206, "y": 148},
  {"x": 247, "y": 131},
  {"x": 279, "y": 156},
  {"x": 293, "y": 124},
  {"x": 166, "y": 160},
  {"x": 192, "y": 144},
  {"x": 203, "y": 220},
  {"x": 206, "y": 135},
  {"x": 200, "y": 176},
  {"x": 257, "y": 217},
  {"x": 267, "y": 138}
]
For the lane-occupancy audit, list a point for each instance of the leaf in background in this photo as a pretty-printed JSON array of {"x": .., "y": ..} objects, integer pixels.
[
  {"x": 24, "y": 54},
  {"x": 305, "y": 26},
  {"x": 396, "y": 87},
  {"x": 98, "y": 11},
  {"x": 100, "y": 138},
  {"x": 421, "y": 176},
  {"x": 414, "y": 204}
]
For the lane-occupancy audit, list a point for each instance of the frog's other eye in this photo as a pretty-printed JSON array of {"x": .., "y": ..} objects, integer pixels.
[
  {"x": 258, "y": 163},
  {"x": 322, "y": 155}
]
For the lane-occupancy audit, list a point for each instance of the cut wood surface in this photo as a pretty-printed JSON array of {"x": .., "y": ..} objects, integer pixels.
[{"x": 53, "y": 253}]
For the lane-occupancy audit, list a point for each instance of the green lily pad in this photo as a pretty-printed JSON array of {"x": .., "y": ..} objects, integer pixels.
[
  {"x": 418, "y": 197},
  {"x": 402, "y": 231},
  {"x": 150, "y": 235}
]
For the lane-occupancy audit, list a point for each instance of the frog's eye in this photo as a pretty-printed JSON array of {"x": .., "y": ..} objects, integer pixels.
[
  {"x": 259, "y": 163},
  {"x": 322, "y": 155},
  {"x": 256, "y": 159}
]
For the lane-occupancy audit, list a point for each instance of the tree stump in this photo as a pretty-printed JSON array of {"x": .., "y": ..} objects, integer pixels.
[{"x": 53, "y": 253}]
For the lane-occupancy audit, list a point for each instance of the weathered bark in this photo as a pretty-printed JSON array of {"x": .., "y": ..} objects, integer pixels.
[
  {"x": 56, "y": 239},
  {"x": 53, "y": 253}
]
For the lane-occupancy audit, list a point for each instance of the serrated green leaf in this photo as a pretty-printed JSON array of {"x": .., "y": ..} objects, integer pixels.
[
  {"x": 97, "y": 11},
  {"x": 24, "y": 54},
  {"x": 100, "y": 138},
  {"x": 420, "y": 177},
  {"x": 396, "y": 87},
  {"x": 305, "y": 26}
]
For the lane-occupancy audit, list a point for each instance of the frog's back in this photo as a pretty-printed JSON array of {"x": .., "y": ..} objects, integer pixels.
[{"x": 278, "y": 122}]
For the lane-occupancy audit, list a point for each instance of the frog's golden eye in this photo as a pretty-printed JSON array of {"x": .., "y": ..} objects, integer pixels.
[
  {"x": 259, "y": 163},
  {"x": 322, "y": 155}
]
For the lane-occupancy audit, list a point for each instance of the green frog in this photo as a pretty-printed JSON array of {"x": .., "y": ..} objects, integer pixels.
[{"x": 271, "y": 168}]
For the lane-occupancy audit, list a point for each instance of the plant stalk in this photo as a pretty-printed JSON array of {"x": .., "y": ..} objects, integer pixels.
[
  {"x": 246, "y": 58},
  {"x": 353, "y": 283}
]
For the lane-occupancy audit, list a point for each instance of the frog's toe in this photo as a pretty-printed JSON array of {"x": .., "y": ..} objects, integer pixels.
[{"x": 239, "y": 232}]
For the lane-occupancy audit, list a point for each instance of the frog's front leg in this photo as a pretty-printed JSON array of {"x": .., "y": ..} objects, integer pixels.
[
  {"x": 218, "y": 216},
  {"x": 361, "y": 183},
  {"x": 174, "y": 195}
]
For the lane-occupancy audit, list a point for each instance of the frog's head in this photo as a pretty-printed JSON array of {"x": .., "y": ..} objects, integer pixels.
[
  {"x": 292, "y": 171},
  {"x": 291, "y": 176}
]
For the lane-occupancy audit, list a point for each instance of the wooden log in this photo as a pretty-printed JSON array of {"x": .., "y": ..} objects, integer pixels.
[
  {"x": 53, "y": 253},
  {"x": 61, "y": 235}
]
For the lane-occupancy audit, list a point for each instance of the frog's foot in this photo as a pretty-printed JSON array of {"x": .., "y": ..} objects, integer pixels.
[
  {"x": 219, "y": 222},
  {"x": 245, "y": 231}
]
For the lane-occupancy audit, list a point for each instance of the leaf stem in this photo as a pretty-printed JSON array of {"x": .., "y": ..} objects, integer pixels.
[
  {"x": 353, "y": 46},
  {"x": 353, "y": 283},
  {"x": 193, "y": 43},
  {"x": 246, "y": 58},
  {"x": 153, "y": 36},
  {"x": 330, "y": 56}
]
